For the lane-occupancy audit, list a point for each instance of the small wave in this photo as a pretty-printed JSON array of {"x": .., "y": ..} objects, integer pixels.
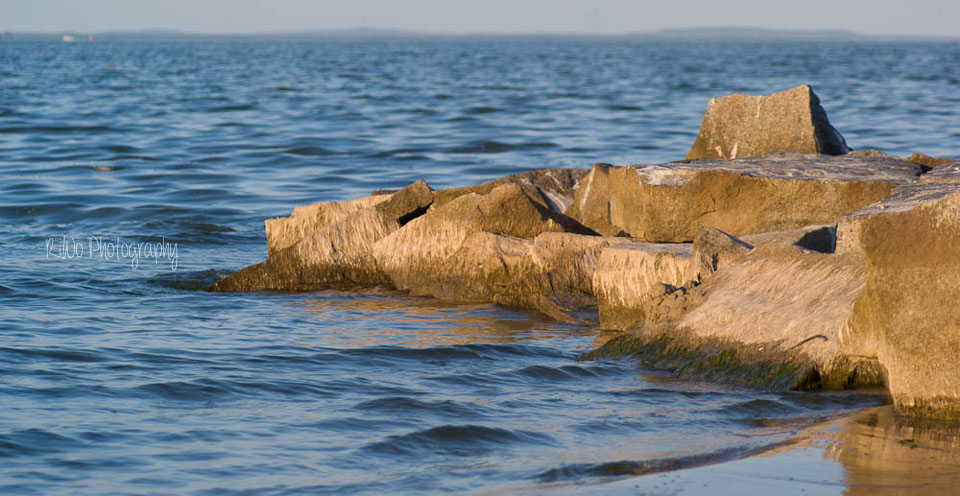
[
  {"x": 402, "y": 404},
  {"x": 179, "y": 390},
  {"x": 58, "y": 129},
  {"x": 483, "y": 110},
  {"x": 629, "y": 108},
  {"x": 655, "y": 465},
  {"x": 283, "y": 89},
  {"x": 434, "y": 353},
  {"x": 190, "y": 281},
  {"x": 488, "y": 146},
  {"x": 54, "y": 354},
  {"x": 400, "y": 152},
  {"x": 34, "y": 441},
  {"x": 754, "y": 408},
  {"x": 310, "y": 151},
  {"x": 466, "y": 440},
  {"x": 231, "y": 108},
  {"x": 120, "y": 148}
]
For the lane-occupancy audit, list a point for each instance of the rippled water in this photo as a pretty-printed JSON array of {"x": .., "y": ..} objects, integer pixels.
[{"x": 121, "y": 376}]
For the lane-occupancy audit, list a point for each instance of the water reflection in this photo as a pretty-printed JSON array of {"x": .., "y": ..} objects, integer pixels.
[
  {"x": 880, "y": 451},
  {"x": 403, "y": 320}
]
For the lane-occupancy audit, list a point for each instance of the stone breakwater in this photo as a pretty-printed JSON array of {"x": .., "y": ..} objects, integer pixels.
[{"x": 773, "y": 256}]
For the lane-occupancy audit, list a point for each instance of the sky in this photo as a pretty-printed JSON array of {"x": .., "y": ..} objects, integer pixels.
[{"x": 876, "y": 17}]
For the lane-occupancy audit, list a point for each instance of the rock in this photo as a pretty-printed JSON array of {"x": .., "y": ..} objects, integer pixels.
[
  {"x": 774, "y": 316},
  {"x": 337, "y": 254},
  {"x": 787, "y": 301},
  {"x": 553, "y": 186},
  {"x": 713, "y": 249},
  {"x": 928, "y": 162},
  {"x": 821, "y": 239},
  {"x": 908, "y": 313},
  {"x": 738, "y": 126},
  {"x": 630, "y": 277},
  {"x": 947, "y": 173},
  {"x": 925, "y": 161},
  {"x": 667, "y": 203},
  {"x": 413, "y": 256},
  {"x": 283, "y": 232},
  {"x": 552, "y": 273}
]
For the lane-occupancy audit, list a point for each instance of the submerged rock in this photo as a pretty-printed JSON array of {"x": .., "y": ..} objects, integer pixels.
[
  {"x": 667, "y": 203},
  {"x": 738, "y": 126}
]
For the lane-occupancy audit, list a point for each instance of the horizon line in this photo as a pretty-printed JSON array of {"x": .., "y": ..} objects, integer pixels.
[{"x": 362, "y": 31}]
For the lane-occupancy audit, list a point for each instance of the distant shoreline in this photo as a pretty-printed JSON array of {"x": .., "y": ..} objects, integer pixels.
[{"x": 705, "y": 34}]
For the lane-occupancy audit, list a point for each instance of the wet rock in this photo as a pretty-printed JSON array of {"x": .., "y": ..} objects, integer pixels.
[
  {"x": 337, "y": 254},
  {"x": 413, "y": 256},
  {"x": 667, "y": 203},
  {"x": 908, "y": 313},
  {"x": 738, "y": 126}
]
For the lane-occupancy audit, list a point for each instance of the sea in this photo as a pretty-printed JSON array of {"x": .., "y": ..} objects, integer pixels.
[{"x": 134, "y": 174}]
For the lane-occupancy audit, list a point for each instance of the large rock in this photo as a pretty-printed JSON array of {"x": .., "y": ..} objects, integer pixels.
[
  {"x": 773, "y": 314},
  {"x": 637, "y": 284},
  {"x": 337, "y": 254},
  {"x": 414, "y": 255},
  {"x": 283, "y": 232},
  {"x": 908, "y": 315},
  {"x": 552, "y": 273},
  {"x": 667, "y": 203},
  {"x": 738, "y": 126},
  {"x": 554, "y": 187}
]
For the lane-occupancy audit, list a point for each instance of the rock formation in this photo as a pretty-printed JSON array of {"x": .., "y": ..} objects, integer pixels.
[
  {"x": 739, "y": 126},
  {"x": 781, "y": 270},
  {"x": 666, "y": 203}
]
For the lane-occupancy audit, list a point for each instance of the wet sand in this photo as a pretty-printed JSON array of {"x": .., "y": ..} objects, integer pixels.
[{"x": 871, "y": 452}]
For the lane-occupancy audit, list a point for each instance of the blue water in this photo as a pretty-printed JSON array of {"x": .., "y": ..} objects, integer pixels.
[{"x": 121, "y": 376}]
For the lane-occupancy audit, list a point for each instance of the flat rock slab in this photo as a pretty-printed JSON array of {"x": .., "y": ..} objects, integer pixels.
[{"x": 666, "y": 203}]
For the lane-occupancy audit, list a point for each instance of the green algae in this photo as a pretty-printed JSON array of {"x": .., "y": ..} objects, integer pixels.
[{"x": 712, "y": 360}]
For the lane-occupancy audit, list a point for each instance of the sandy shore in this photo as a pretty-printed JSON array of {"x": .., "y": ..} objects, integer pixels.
[{"x": 871, "y": 452}]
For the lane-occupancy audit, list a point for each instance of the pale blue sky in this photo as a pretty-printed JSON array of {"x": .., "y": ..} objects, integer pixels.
[{"x": 891, "y": 17}]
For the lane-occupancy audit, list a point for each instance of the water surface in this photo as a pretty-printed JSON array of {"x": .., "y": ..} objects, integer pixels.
[{"x": 120, "y": 376}]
